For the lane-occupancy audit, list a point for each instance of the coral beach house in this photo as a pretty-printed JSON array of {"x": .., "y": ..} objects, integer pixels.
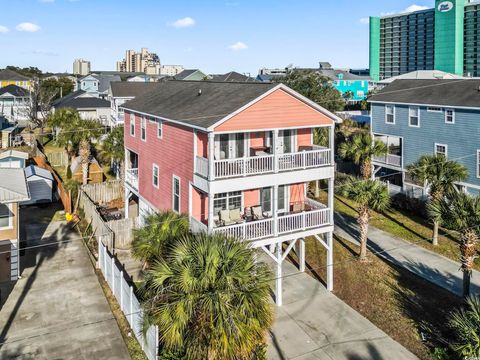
[{"x": 238, "y": 158}]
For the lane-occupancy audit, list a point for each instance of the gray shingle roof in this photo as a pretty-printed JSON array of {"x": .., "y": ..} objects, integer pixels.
[
  {"x": 13, "y": 187},
  {"x": 131, "y": 89},
  {"x": 232, "y": 76},
  {"x": 15, "y": 90},
  {"x": 90, "y": 102},
  {"x": 12, "y": 75},
  {"x": 180, "y": 100},
  {"x": 105, "y": 80},
  {"x": 464, "y": 92}
]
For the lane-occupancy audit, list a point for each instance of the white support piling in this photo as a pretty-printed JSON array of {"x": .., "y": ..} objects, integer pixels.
[
  {"x": 301, "y": 255},
  {"x": 278, "y": 280},
  {"x": 330, "y": 261}
]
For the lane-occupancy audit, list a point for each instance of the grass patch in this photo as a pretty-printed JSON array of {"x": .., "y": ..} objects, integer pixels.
[{"x": 398, "y": 302}]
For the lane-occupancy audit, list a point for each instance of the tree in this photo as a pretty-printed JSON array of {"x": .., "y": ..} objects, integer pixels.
[
  {"x": 465, "y": 325},
  {"x": 460, "y": 212},
  {"x": 438, "y": 174},
  {"x": 113, "y": 147},
  {"x": 40, "y": 104},
  {"x": 160, "y": 231},
  {"x": 316, "y": 87},
  {"x": 31, "y": 71},
  {"x": 348, "y": 95},
  {"x": 61, "y": 87},
  {"x": 361, "y": 148},
  {"x": 209, "y": 298},
  {"x": 369, "y": 195}
]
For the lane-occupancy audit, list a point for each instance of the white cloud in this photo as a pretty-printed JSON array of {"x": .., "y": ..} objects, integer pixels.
[
  {"x": 365, "y": 20},
  {"x": 414, "y": 7},
  {"x": 3, "y": 29},
  {"x": 27, "y": 27},
  {"x": 238, "y": 46},
  {"x": 183, "y": 23}
]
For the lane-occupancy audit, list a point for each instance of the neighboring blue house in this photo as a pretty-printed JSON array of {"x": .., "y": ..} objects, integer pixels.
[
  {"x": 344, "y": 81},
  {"x": 419, "y": 117}
]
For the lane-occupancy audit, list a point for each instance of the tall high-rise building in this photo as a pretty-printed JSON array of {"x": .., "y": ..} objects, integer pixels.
[
  {"x": 443, "y": 38},
  {"x": 143, "y": 61},
  {"x": 81, "y": 67}
]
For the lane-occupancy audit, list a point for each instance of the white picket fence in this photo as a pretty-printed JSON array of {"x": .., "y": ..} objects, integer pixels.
[{"x": 129, "y": 304}]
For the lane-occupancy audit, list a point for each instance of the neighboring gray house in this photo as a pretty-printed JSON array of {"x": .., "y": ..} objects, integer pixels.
[
  {"x": 13, "y": 159},
  {"x": 419, "y": 117},
  {"x": 40, "y": 185},
  {"x": 90, "y": 107}
]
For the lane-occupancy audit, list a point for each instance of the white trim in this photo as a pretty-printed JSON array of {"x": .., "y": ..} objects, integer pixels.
[
  {"x": 468, "y": 185},
  {"x": 426, "y": 105},
  {"x": 386, "y": 114},
  {"x": 418, "y": 116},
  {"x": 438, "y": 144},
  {"x": 453, "y": 116},
  {"x": 143, "y": 121},
  {"x": 175, "y": 177},
  {"x": 10, "y": 217},
  {"x": 290, "y": 92},
  {"x": 159, "y": 127},
  {"x": 478, "y": 163},
  {"x": 155, "y": 166},
  {"x": 271, "y": 129},
  {"x": 165, "y": 119}
]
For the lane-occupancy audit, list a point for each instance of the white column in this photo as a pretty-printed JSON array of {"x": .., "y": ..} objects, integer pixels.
[
  {"x": 330, "y": 261},
  {"x": 210, "y": 212},
  {"x": 275, "y": 150},
  {"x": 211, "y": 156},
  {"x": 278, "y": 280},
  {"x": 127, "y": 194},
  {"x": 301, "y": 255},
  {"x": 331, "y": 190},
  {"x": 274, "y": 209},
  {"x": 331, "y": 143}
]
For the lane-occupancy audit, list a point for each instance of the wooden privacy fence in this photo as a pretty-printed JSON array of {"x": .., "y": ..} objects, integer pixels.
[
  {"x": 123, "y": 231},
  {"x": 103, "y": 193},
  {"x": 58, "y": 158},
  {"x": 99, "y": 227}
]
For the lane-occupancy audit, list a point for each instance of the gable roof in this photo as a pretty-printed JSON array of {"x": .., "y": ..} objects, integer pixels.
[
  {"x": 14, "y": 153},
  {"x": 455, "y": 93},
  {"x": 33, "y": 170},
  {"x": 232, "y": 76},
  {"x": 77, "y": 162},
  {"x": 105, "y": 80},
  {"x": 187, "y": 73},
  {"x": 131, "y": 89},
  {"x": 203, "y": 104},
  {"x": 13, "y": 187},
  {"x": 75, "y": 100},
  {"x": 14, "y": 90},
  {"x": 8, "y": 74}
]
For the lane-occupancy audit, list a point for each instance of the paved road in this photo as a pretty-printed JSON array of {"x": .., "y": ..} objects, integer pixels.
[
  {"x": 58, "y": 309},
  {"x": 314, "y": 324},
  {"x": 422, "y": 262}
]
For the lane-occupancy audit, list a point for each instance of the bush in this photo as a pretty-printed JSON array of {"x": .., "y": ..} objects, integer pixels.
[
  {"x": 405, "y": 203},
  {"x": 69, "y": 172}
]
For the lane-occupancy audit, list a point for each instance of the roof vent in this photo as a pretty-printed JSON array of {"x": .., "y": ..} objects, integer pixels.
[{"x": 199, "y": 92}]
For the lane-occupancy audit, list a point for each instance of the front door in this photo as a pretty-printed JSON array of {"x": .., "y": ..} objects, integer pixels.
[
  {"x": 229, "y": 146},
  {"x": 285, "y": 141}
]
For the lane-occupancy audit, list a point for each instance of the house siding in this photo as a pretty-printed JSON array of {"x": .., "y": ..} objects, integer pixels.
[
  {"x": 462, "y": 138},
  {"x": 174, "y": 156}
]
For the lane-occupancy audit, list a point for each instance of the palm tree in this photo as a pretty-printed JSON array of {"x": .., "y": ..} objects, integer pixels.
[
  {"x": 439, "y": 174},
  {"x": 369, "y": 195},
  {"x": 209, "y": 298},
  {"x": 361, "y": 148},
  {"x": 465, "y": 325},
  {"x": 84, "y": 153},
  {"x": 160, "y": 231},
  {"x": 460, "y": 212},
  {"x": 113, "y": 147}
]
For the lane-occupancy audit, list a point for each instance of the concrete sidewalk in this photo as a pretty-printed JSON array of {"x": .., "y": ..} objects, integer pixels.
[
  {"x": 422, "y": 262},
  {"x": 314, "y": 324}
]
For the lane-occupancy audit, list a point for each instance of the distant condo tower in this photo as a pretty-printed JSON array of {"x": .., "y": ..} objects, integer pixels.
[{"x": 81, "y": 67}]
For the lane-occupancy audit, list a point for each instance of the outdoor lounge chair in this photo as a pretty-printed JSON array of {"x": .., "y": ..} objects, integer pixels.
[
  {"x": 257, "y": 213},
  {"x": 230, "y": 217}
]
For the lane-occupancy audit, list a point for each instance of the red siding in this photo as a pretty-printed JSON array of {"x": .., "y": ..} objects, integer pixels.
[
  {"x": 304, "y": 137},
  {"x": 277, "y": 110},
  {"x": 202, "y": 144},
  {"x": 173, "y": 154}
]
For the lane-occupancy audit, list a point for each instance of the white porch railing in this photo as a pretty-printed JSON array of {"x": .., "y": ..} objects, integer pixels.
[
  {"x": 201, "y": 166},
  {"x": 304, "y": 159},
  {"x": 243, "y": 166},
  {"x": 389, "y": 159},
  {"x": 253, "y": 230},
  {"x": 303, "y": 221},
  {"x": 131, "y": 177}
]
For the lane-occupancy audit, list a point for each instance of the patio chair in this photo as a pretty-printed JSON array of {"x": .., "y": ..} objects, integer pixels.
[
  {"x": 224, "y": 216},
  {"x": 236, "y": 216},
  {"x": 257, "y": 213}
]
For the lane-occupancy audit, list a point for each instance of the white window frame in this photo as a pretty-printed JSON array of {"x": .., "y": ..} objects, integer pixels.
[
  {"x": 155, "y": 167},
  {"x": 175, "y": 177},
  {"x": 434, "y": 109},
  {"x": 453, "y": 116},
  {"x": 132, "y": 125},
  {"x": 478, "y": 163},
  {"x": 444, "y": 145},
  {"x": 10, "y": 218},
  {"x": 160, "y": 129},
  {"x": 386, "y": 114},
  {"x": 228, "y": 195},
  {"x": 143, "y": 129},
  {"x": 410, "y": 116}
]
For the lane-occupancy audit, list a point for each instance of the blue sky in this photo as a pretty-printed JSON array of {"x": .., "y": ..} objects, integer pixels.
[{"x": 215, "y": 36}]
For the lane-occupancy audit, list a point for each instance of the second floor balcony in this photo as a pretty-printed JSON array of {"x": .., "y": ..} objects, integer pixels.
[{"x": 394, "y": 154}]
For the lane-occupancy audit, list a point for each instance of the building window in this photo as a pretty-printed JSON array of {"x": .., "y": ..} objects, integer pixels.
[
  {"x": 159, "y": 129},
  {"x": 390, "y": 114},
  {"x": 227, "y": 201},
  {"x": 143, "y": 128},
  {"x": 414, "y": 116},
  {"x": 132, "y": 124},
  {"x": 155, "y": 174},
  {"x": 434, "y": 109},
  {"x": 176, "y": 194},
  {"x": 5, "y": 218},
  {"x": 449, "y": 116},
  {"x": 441, "y": 149}
]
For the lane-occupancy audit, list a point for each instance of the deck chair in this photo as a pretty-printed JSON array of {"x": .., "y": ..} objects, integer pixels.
[
  {"x": 235, "y": 216},
  {"x": 257, "y": 213},
  {"x": 224, "y": 216}
]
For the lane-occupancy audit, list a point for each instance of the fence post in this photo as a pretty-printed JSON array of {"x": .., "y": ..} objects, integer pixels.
[
  {"x": 104, "y": 260},
  {"x": 131, "y": 306},
  {"x": 121, "y": 290},
  {"x": 113, "y": 275}
]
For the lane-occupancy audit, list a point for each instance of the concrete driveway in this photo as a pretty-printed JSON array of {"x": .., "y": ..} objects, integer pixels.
[
  {"x": 58, "y": 309},
  {"x": 314, "y": 324}
]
